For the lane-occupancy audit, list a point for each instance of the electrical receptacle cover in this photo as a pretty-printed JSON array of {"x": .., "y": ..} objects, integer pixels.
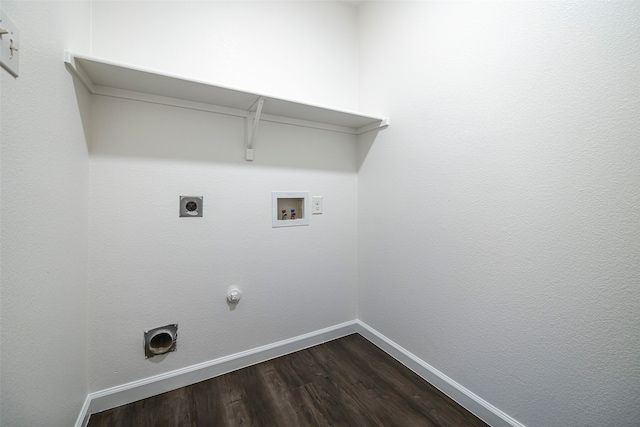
[{"x": 191, "y": 206}]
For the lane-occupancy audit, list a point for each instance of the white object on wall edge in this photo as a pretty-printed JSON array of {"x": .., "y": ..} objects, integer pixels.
[{"x": 9, "y": 44}]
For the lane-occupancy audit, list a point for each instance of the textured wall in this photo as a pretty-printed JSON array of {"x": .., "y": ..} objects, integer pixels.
[
  {"x": 299, "y": 50},
  {"x": 498, "y": 215},
  {"x": 497, "y": 218},
  {"x": 44, "y": 221},
  {"x": 148, "y": 268}
]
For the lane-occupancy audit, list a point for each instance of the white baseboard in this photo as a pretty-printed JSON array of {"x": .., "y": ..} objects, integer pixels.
[
  {"x": 142, "y": 389},
  {"x": 152, "y": 386},
  {"x": 466, "y": 398},
  {"x": 85, "y": 413}
]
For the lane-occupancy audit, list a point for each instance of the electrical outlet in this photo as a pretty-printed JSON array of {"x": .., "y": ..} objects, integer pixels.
[
  {"x": 316, "y": 205},
  {"x": 9, "y": 44},
  {"x": 191, "y": 206}
]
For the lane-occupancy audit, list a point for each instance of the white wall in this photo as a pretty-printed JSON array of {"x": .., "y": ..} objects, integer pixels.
[
  {"x": 44, "y": 221},
  {"x": 300, "y": 50},
  {"x": 147, "y": 267},
  {"x": 496, "y": 219},
  {"x": 498, "y": 215}
]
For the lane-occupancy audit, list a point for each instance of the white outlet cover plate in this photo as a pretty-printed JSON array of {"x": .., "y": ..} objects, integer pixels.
[
  {"x": 316, "y": 205},
  {"x": 8, "y": 58}
]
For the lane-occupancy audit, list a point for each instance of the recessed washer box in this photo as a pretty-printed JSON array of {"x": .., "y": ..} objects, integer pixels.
[{"x": 290, "y": 208}]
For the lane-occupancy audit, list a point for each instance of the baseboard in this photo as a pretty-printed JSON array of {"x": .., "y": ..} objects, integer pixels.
[
  {"x": 85, "y": 413},
  {"x": 142, "y": 389},
  {"x": 152, "y": 386},
  {"x": 466, "y": 398}
]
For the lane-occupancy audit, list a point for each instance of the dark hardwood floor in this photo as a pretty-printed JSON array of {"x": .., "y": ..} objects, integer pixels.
[{"x": 345, "y": 382}]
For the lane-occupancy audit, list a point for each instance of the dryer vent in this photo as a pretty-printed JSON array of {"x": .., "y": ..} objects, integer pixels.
[{"x": 160, "y": 340}]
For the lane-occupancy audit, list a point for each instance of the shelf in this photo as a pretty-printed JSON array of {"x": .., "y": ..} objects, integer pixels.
[{"x": 124, "y": 81}]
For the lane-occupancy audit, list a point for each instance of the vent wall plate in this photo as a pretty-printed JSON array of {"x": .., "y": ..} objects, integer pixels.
[{"x": 160, "y": 340}]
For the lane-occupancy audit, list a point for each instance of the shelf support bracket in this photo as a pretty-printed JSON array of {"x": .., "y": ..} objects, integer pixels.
[{"x": 252, "y": 126}]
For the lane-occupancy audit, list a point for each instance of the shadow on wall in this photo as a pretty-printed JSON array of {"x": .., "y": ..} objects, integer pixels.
[
  {"x": 365, "y": 142},
  {"x": 126, "y": 128},
  {"x": 84, "y": 107}
]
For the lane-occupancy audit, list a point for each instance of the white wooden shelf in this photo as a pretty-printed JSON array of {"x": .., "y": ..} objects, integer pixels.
[{"x": 109, "y": 78}]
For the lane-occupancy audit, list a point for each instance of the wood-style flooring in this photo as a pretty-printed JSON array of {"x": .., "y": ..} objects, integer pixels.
[{"x": 345, "y": 382}]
